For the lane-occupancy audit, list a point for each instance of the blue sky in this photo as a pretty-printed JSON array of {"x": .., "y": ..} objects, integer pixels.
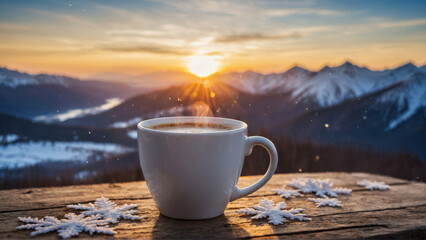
[{"x": 88, "y": 37}]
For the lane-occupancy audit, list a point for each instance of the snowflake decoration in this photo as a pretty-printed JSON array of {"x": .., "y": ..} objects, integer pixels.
[
  {"x": 374, "y": 185},
  {"x": 94, "y": 219},
  {"x": 274, "y": 213},
  {"x": 71, "y": 226},
  {"x": 285, "y": 193},
  {"x": 321, "y": 187},
  {"x": 322, "y": 202},
  {"x": 108, "y": 210}
]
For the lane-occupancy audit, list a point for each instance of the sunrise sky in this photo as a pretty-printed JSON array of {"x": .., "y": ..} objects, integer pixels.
[{"x": 91, "y": 38}]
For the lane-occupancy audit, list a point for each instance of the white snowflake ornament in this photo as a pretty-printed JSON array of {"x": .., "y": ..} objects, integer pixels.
[
  {"x": 274, "y": 213},
  {"x": 373, "y": 185},
  {"x": 321, "y": 187},
  {"x": 108, "y": 210},
  {"x": 71, "y": 226},
  {"x": 285, "y": 193},
  {"x": 322, "y": 202}
]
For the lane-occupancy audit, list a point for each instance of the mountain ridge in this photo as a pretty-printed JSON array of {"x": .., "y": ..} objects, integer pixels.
[
  {"x": 326, "y": 87},
  {"x": 28, "y": 96}
]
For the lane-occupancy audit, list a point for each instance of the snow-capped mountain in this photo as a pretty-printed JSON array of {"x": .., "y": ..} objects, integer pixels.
[
  {"x": 384, "y": 109},
  {"x": 391, "y": 119},
  {"x": 27, "y": 95},
  {"x": 257, "y": 83},
  {"x": 330, "y": 86},
  {"x": 327, "y": 87}
]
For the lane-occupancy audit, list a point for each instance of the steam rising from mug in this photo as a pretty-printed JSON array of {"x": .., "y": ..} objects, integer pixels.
[
  {"x": 202, "y": 98},
  {"x": 201, "y": 109}
]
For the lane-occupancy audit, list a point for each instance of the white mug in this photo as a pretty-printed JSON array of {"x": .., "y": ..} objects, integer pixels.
[{"x": 194, "y": 175}]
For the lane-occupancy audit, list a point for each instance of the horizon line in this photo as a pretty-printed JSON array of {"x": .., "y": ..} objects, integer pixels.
[{"x": 298, "y": 65}]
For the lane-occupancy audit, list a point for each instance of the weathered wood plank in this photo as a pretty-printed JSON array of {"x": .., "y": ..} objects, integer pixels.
[
  {"x": 35, "y": 198},
  {"x": 357, "y": 224},
  {"x": 364, "y": 213}
]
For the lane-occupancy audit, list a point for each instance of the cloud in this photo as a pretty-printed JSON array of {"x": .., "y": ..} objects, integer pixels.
[
  {"x": 136, "y": 33},
  {"x": 221, "y": 54},
  {"x": 253, "y": 37},
  {"x": 407, "y": 23},
  {"x": 217, "y": 53},
  {"x": 302, "y": 11},
  {"x": 377, "y": 23},
  {"x": 153, "y": 49}
]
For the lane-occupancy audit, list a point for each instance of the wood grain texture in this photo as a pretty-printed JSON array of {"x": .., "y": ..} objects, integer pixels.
[{"x": 399, "y": 212}]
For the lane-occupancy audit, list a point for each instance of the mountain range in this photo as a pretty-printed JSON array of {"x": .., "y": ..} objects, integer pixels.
[
  {"x": 326, "y": 87},
  {"x": 345, "y": 105},
  {"x": 331, "y": 86},
  {"x": 30, "y": 95}
]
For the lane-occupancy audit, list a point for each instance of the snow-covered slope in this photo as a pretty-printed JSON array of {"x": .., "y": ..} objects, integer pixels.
[
  {"x": 407, "y": 98},
  {"x": 13, "y": 79},
  {"x": 257, "y": 83},
  {"x": 333, "y": 85},
  {"x": 327, "y": 87}
]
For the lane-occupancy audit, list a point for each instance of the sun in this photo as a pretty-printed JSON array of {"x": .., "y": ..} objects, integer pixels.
[{"x": 202, "y": 65}]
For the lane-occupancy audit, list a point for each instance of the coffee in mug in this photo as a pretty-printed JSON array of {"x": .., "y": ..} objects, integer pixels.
[{"x": 192, "y": 127}]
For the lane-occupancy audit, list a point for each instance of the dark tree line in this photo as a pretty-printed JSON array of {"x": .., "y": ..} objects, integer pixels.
[{"x": 294, "y": 157}]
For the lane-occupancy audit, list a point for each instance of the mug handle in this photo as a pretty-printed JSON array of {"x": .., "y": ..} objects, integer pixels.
[{"x": 273, "y": 162}]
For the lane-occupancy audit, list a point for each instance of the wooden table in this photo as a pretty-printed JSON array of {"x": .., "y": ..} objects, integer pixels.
[{"x": 397, "y": 213}]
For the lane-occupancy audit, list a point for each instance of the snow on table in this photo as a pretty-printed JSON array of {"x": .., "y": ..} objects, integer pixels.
[{"x": 396, "y": 213}]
